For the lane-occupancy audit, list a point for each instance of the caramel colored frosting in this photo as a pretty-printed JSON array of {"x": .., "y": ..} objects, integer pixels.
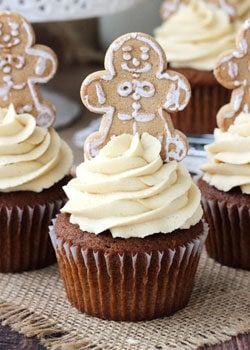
[
  {"x": 195, "y": 35},
  {"x": 128, "y": 189},
  {"x": 31, "y": 158},
  {"x": 229, "y": 157}
]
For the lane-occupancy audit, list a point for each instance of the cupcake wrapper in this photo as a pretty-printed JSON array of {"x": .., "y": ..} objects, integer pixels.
[
  {"x": 24, "y": 239},
  {"x": 128, "y": 287},
  {"x": 228, "y": 240},
  {"x": 199, "y": 117}
]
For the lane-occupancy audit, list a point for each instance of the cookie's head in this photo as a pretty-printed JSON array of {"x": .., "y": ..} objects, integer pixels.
[
  {"x": 14, "y": 31},
  {"x": 132, "y": 55}
]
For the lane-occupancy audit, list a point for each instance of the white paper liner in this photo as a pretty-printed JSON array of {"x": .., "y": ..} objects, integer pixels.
[{"x": 128, "y": 286}]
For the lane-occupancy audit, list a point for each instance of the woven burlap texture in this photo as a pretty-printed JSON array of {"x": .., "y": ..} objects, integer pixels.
[{"x": 35, "y": 303}]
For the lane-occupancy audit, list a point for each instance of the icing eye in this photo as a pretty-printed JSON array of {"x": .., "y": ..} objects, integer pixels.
[
  {"x": 144, "y": 56},
  {"x": 127, "y": 56},
  {"x": 124, "y": 89}
]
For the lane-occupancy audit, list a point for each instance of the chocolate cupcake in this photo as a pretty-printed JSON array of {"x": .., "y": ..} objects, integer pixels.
[
  {"x": 34, "y": 165},
  {"x": 128, "y": 240},
  {"x": 209, "y": 31},
  {"x": 34, "y": 161},
  {"x": 113, "y": 262},
  {"x": 225, "y": 194},
  {"x": 225, "y": 185}
]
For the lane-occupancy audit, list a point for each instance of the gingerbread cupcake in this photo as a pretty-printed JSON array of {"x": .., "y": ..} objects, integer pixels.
[
  {"x": 129, "y": 239},
  {"x": 225, "y": 185},
  {"x": 193, "y": 34},
  {"x": 34, "y": 161}
]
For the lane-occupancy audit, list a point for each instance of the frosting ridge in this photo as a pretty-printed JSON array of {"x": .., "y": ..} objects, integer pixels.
[
  {"x": 130, "y": 191},
  {"x": 229, "y": 157},
  {"x": 32, "y": 158},
  {"x": 195, "y": 35}
]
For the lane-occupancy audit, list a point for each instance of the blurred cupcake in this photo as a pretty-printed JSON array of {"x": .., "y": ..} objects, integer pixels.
[
  {"x": 34, "y": 165},
  {"x": 225, "y": 185},
  {"x": 193, "y": 34},
  {"x": 225, "y": 189},
  {"x": 34, "y": 161},
  {"x": 129, "y": 239}
]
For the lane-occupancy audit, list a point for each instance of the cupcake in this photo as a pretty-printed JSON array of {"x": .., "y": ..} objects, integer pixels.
[
  {"x": 34, "y": 161},
  {"x": 193, "y": 34},
  {"x": 34, "y": 165},
  {"x": 225, "y": 185},
  {"x": 128, "y": 240}
]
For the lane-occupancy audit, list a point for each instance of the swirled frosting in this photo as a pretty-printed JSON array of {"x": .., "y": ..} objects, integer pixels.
[
  {"x": 128, "y": 190},
  {"x": 195, "y": 35},
  {"x": 229, "y": 157},
  {"x": 31, "y": 158}
]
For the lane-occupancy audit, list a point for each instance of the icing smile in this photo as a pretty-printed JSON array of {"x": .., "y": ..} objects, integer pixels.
[
  {"x": 144, "y": 69},
  {"x": 8, "y": 41}
]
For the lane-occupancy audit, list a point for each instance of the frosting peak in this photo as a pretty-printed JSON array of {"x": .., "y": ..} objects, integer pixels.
[
  {"x": 195, "y": 35},
  {"x": 229, "y": 157},
  {"x": 31, "y": 158},
  {"x": 128, "y": 190}
]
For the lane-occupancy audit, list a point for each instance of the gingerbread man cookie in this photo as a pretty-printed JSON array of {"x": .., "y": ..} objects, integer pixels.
[
  {"x": 169, "y": 7},
  {"x": 22, "y": 66},
  {"x": 134, "y": 93},
  {"x": 233, "y": 72}
]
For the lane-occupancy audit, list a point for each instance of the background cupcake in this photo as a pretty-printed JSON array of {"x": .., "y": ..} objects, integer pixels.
[
  {"x": 225, "y": 185},
  {"x": 34, "y": 161},
  {"x": 129, "y": 239},
  {"x": 193, "y": 34}
]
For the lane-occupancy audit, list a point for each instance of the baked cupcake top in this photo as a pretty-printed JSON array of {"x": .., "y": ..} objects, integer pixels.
[
  {"x": 32, "y": 158},
  {"x": 229, "y": 156},
  {"x": 130, "y": 191},
  {"x": 134, "y": 183},
  {"x": 195, "y": 34}
]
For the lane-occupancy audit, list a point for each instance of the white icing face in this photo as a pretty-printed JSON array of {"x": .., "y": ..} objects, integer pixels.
[
  {"x": 136, "y": 60},
  {"x": 9, "y": 34}
]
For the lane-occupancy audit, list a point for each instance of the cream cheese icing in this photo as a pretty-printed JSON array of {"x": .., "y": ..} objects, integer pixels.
[
  {"x": 195, "y": 35},
  {"x": 229, "y": 157},
  {"x": 128, "y": 189},
  {"x": 32, "y": 158}
]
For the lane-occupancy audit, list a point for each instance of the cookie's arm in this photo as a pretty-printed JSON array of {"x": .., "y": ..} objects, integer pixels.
[
  {"x": 178, "y": 91},
  {"x": 240, "y": 101},
  {"x": 94, "y": 94},
  {"x": 227, "y": 72},
  {"x": 44, "y": 62}
]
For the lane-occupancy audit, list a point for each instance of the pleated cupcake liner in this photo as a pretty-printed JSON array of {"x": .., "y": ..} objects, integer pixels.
[
  {"x": 24, "y": 236},
  {"x": 128, "y": 287},
  {"x": 228, "y": 240},
  {"x": 199, "y": 117}
]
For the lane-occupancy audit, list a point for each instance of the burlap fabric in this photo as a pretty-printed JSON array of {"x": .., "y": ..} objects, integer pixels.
[{"x": 34, "y": 303}]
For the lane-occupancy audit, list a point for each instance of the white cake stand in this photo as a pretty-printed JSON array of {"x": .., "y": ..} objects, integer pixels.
[{"x": 63, "y": 10}]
